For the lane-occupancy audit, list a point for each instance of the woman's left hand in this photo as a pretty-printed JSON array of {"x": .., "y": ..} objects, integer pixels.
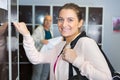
[
  {"x": 22, "y": 28},
  {"x": 69, "y": 55}
]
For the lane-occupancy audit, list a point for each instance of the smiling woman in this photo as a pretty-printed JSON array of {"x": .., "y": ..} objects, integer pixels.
[{"x": 85, "y": 56}]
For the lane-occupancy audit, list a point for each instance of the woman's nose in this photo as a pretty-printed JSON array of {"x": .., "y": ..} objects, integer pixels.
[{"x": 64, "y": 23}]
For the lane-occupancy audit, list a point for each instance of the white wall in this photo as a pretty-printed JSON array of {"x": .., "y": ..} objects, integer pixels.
[
  {"x": 111, "y": 42},
  {"x": 62, "y": 2}
]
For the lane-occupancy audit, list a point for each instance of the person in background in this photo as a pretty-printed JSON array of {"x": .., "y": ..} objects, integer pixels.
[
  {"x": 41, "y": 35},
  {"x": 86, "y": 55},
  {"x": 3, "y": 52}
]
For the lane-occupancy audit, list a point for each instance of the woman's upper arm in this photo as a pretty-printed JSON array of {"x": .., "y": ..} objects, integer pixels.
[
  {"x": 91, "y": 62},
  {"x": 33, "y": 54}
]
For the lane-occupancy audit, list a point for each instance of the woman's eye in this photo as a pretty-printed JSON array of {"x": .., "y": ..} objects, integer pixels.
[
  {"x": 70, "y": 20},
  {"x": 60, "y": 20}
]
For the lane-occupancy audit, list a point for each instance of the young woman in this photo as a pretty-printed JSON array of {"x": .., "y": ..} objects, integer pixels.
[{"x": 86, "y": 55}]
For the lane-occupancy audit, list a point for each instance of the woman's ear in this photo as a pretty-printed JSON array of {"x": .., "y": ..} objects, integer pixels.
[{"x": 80, "y": 23}]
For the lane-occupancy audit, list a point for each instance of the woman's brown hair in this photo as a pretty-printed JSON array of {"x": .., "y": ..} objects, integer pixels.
[{"x": 74, "y": 7}]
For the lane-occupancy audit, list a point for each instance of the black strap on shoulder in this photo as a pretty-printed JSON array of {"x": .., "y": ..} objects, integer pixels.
[{"x": 73, "y": 43}]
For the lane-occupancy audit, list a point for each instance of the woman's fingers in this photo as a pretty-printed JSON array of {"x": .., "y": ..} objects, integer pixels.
[
  {"x": 15, "y": 24},
  {"x": 22, "y": 28},
  {"x": 69, "y": 55}
]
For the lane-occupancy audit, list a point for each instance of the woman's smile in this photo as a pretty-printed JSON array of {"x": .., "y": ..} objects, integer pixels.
[{"x": 66, "y": 29}]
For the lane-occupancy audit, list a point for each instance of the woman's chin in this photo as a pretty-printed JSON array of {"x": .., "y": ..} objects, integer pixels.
[{"x": 65, "y": 35}]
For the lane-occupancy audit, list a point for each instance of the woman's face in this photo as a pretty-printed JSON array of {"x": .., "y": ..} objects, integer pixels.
[{"x": 68, "y": 23}]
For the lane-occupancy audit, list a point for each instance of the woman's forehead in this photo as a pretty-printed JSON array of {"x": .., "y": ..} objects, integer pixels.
[{"x": 67, "y": 13}]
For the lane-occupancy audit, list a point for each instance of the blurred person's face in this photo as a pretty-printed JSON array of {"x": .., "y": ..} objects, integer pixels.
[
  {"x": 68, "y": 23},
  {"x": 47, "y": 21}
]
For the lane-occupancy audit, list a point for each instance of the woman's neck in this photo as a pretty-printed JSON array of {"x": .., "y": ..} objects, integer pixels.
[{"x": 70, "y": 39}]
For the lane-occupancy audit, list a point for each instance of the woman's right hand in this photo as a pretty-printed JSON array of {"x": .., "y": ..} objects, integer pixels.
[{"x": 22, "y": 28}]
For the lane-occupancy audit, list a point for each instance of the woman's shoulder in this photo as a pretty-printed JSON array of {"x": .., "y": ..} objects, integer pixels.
[{"x": 86, "y": 40}]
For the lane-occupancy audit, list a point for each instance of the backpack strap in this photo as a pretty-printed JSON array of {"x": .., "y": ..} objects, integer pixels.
[{"x": 73, "y": 43}]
